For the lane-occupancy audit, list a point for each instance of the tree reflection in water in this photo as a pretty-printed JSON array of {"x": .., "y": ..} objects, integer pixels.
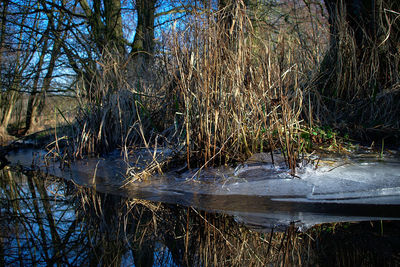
[{"x": 48, "y": 221}]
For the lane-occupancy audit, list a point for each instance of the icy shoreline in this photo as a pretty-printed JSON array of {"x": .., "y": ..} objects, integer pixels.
[{"x": 257, "y": 192}]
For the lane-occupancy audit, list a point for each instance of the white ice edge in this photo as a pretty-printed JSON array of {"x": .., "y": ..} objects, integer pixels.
[
  {"x": 390, "y": 200},
  {"x": 390, "y": 191}
]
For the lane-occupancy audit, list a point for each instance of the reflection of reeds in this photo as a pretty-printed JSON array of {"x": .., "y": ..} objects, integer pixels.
[
  {"x": 189, "y": 237},
  {"x": 41, "y": 224}
]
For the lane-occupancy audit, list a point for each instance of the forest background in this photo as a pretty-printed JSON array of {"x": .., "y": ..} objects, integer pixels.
[{"x": 216, "y": 81}]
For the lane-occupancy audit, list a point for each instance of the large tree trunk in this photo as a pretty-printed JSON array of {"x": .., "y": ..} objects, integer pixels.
[
  {"x": 143, "y": 43},
  {"x": 106, "y": 27},
  {"x": 363, "y": 58},
  {"x": 113, "y": 26},
  {"x": 105, "y": 21}
]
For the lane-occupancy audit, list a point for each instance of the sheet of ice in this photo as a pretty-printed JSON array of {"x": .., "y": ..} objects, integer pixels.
[
  {"x": 345, "y": 180},
  {"x": 336, "y": 191},
  {"x": 359, "y": 180},
  {"x": 355, "y": 180}
]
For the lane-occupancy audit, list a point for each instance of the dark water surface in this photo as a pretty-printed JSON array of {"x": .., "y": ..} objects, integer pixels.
[
  {"x": 258, "y": 196},
  {"x": 49, "y": 221},
  {"x": 252, "y": 216}
]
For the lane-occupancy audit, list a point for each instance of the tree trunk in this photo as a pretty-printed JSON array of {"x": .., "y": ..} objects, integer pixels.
[
  {"x": 36, "y": 100},
  {"x": 363, "y": 58},
  {"x": 7, "y": 114},
  {"x": 113, "y": 25},
  {"x": 50, "y": 69},
  {"x": 11, "y": 93},
  {"x": 143, "y": 43},
  {"x": 106, "y": 27},
  {"x": 32, "y": 101},
  {"x": 3, "y": 130},
  {"x": 3, "y": 28}
]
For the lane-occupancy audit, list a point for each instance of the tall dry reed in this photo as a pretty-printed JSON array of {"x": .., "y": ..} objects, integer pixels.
[
  {"x": 113, "y": 111},
  {"x": 241, "y": 93},
  {"x": 233, "y": 87}
]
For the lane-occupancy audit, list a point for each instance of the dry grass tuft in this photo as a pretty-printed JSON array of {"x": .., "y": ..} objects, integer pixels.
[
  {"x": 112, "y": 113},
  {"x": 240, "y": 93},
  {"x": 230, "y": 92},
  {"x": 230, "y": 85}
]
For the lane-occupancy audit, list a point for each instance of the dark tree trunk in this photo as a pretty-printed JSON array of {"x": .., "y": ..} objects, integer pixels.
[
  {"x": 33, "y": 98},
  {"x": 113, "y": 26},
  {"x": 3, "y": 21},
  {"x": 106, "y": 27},
  {"x": 143, "y": 43},
  {"x": 363, "y": 58}
]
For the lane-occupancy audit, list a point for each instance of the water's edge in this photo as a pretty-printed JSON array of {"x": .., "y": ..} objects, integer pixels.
[{"x": 262, "y": 202}]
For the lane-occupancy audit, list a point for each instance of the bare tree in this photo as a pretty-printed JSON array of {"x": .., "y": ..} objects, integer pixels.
[
  {"x": 18, "y": 46},
  {"x": 37, "y": 96}
]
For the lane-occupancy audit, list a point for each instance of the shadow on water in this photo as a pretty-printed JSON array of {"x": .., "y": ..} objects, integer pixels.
[{"x": 49, "y": 221}]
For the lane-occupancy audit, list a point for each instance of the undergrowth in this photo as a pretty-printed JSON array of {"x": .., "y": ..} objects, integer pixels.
[{"x": 230, "y": 86}]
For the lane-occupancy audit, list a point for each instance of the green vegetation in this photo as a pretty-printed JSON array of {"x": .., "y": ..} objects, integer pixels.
[{"x": 230, "y": 79}]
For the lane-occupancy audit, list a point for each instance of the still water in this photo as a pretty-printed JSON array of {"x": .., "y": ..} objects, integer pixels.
[
  {"x": 50, "y": 221},
  {"x": 47, "y": 221},
  {"x": 91, "y": 217},
  {"x": 255, "y": 193}
]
